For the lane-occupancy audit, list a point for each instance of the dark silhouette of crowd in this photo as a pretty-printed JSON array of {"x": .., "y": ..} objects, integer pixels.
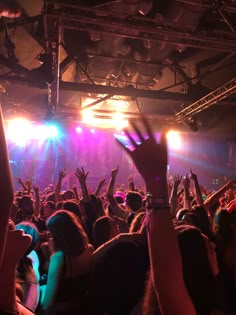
[{"x": 161, "y": 250}]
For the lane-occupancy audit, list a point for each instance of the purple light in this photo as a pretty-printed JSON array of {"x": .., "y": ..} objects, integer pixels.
[
  {"x": 92, "y": 130},
  {"x": 78, "y": 129}
]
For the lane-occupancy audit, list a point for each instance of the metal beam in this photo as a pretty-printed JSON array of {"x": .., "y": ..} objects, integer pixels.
[
  {"x": 207, "y": 101},
  {"x": 114, "y": 24},
  {"x": 101, "y": 89},
  {"x": 226, "y": 5}
]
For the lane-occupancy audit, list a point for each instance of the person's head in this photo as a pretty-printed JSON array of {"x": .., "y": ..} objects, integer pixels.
[
  {"x": 67, "y": 233},
  {"x": 50, "y": 197},
  {"x": 47, "y": 209},
  {"x": 68, "y": 194},
  {"x": 72, "y": 206},
  {"x": 224, "y": 228},
  {"x": 26, "y": 204},
  {"x": 203, "y": 221},
  {"x": 181, "y": 213},
  {"x": 133, "y": 201},
  {"x": 29, "y": 229},
  {"x": 104, "y": 229}
]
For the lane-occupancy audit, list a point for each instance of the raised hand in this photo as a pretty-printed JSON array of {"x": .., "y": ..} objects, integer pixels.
[
  {"x": 62, "y": 174},
  {"x": 81, "y": 175},
  {"x": 150, "y": 158},
  {"x": 186, "y": 181},
  {"x": 177, "y": 181},
  {"x": 114, "y": 172},
  {"x": 36, "y": 188},
  {"x": 19, "y": 180},
  {"x": 102, "y": 182},
  {"x": 193, "y": 176}
]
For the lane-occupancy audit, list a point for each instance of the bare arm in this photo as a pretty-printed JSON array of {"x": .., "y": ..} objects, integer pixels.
[
  {"x": 150, "y": 159},
  {"x": 131, "y": 183},
  {"x": 116, "y": 209},
  {"x": 82, "y": 176},
  {"x": 6, "y": 188},
  {"x": 62, "y": 174},
  {"x": 174, "y": 195},
  {"x": 36, "y": 201},
  {"x": 187, "y": 201},
  {"x": 21, "y": 182},
  {"x": 54, "y": 273},
  {"x": 213, "y": 199},
  {"x": 99, "y": 187},
  {"x": 198, "y": 193}
]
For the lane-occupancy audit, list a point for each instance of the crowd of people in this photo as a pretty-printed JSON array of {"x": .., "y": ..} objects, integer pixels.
[{"x": 166, "y": 250}]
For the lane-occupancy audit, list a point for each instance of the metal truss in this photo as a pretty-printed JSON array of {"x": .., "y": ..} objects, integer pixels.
[
  {"x": 207, "y": 101},
  {"x": 225, "y": 5},
  {"x": 116, "y": 24},
  {"x": 52, "y": 49}
]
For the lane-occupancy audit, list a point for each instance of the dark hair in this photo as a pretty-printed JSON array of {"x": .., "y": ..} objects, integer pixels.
[
  {"x": 50, "y": 197},
  {"x": 223, "y": 230},
  {"x": 67, "y": 232},
  {"x": 51, "y": 205},
  {"x": 69, "y": 192},
  {"x": 204, "y": 222},
  {"x": 101, "y": 230},
  {"x": 72, "y": 206},
  {"x": 134, "y": 200}
]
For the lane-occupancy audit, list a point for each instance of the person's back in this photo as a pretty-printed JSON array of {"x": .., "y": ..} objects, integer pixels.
[{"x": 119, "y": 275}]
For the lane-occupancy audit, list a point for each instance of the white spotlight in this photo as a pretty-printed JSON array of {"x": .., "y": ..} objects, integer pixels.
[{"x": 174, "y": 140}]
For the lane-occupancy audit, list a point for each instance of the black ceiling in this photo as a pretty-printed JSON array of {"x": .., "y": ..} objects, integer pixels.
[{"x": 160, "y": 57}]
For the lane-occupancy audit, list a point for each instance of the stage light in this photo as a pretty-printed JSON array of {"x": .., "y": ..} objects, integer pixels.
[
  {"x": 92, "y": 130},
  {"x": 119, "y": 120},
  {"x": 174, "y": 140},
  {"x": 88, "y": 117},
  {"x": 78, "y": 129},
  {"x": 52, "y": 131},
  {"x": 19, "y": 131}
]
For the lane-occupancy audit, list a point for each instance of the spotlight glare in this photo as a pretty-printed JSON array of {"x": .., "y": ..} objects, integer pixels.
[
  {"x": 119, "y": 121},
  {"x": 19, "y": 131},
  {"x": 174, "y": 140},
  {"x": 78, "y": 129},
  {"x": 92, "y": 130}
]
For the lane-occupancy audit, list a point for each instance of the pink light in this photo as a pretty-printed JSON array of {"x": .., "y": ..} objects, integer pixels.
[{"x": 92, "y": 130}]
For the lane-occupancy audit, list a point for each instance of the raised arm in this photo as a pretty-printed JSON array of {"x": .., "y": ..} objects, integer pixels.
[
  {"x": 82, "y": 176},
  {"x": 213, "y": 199},
  {"x": 174, "y": 195},
  {"x": 198, "y": 192},
  {"x": 62, "y": 174},
  {"x": 99, "y": 187},
  {"x": 187, "y": 201},
  {"x": 6, "y": 188},
  {"x": 116, "y": 209},
  {"x": 36, "y": 201},
  {"x": 150, "y": 159},
  {"x": 131, "y": 183},
  {"x": 21, "y": 182}
]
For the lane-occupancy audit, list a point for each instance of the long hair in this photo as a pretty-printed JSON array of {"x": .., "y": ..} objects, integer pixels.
[{"x": 67, "y": 233}]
